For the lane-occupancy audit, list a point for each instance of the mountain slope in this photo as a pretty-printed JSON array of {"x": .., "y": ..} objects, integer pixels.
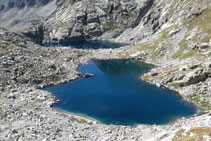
[
  {"x": 21, "y": 14},
  {"x": 176, "y": 35}
]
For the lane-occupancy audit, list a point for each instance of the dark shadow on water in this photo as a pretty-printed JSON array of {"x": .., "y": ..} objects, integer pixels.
[
  {"x": 88, "y": 44},
  {"x": 115, "y": 95}
]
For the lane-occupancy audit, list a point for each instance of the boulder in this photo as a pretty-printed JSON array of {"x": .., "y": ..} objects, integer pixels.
[
  {"x": 85, "y": 75},
  {"x": 154, "y": 74},
  {"x": 191, "y": 78},
  {"x": 203, "y": 46},
  {"x": 194, "y": 78},
  {"x": 173, "y": 32}
]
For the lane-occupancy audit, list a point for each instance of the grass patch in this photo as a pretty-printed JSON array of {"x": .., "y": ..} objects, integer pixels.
[
  {"x": 146, "y": 77},
  {"x": 202, "y": 21},
  {"x": 82, "y": 121},
  {"x": 2, "y": 50},
  {"x": 111, "y": 25},
  {"x": 191, "y": 53},
  {"x": 197, "y": 100},
  {"x": 144, "y": 47},
  {"x": 183, "y": 46},
  {"x": 196, "y": 134},
  {"x": 172, "y": 70},
  {"x": 164, "y": 36}
]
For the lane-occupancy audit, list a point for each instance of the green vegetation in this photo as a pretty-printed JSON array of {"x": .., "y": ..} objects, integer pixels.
[
  {"x": 203, "y": 22},
  {"x": 144, "y": 47},
  {"x": 182, "y": 47},
  {"x": 204, "y": 27},
  {"x": 78, "y": 120},
  {"x": 146, "y": 77},
  {"x": 191, "y": 53},
  {"x": 111, "y": 25},
  {"x": 197, "y": 100},
  {"x": 193, "y": 134}
]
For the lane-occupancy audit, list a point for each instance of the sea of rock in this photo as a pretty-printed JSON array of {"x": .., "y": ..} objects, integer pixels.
[{"x": 26, "y": 112}]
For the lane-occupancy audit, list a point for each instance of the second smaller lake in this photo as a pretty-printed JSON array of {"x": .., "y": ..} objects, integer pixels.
[{"x": 89, "y": 44}]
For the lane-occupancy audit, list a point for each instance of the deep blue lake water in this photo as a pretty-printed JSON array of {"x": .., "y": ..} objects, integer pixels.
[
  {"x": 89, "y": 44},
  {"x": 115, "y": 95}
]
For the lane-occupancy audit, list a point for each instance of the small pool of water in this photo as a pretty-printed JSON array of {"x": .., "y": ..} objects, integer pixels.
[
  {"x": 89, "y": 44},
  {"x": 115, "y": 95}
]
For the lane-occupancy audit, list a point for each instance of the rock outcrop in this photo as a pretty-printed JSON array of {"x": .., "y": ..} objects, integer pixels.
[
  {"x": 70, "y": 20},
  {"x": 88, "y": 20},
  {"x": 23, "y": 62}
]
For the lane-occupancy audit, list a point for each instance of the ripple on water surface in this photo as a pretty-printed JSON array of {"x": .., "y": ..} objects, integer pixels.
[{"x": 115, "y": 95}]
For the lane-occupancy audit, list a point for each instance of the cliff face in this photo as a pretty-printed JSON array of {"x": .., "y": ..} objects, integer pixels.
[
  {"x": 72, "y": 20},
  {"x": 88, "y": 20}
]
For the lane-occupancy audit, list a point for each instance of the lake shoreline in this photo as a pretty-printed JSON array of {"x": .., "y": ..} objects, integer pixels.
[{"x": 122, "y": 68}]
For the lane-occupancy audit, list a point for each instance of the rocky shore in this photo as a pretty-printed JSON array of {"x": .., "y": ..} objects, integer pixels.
[{"x": 26, "y": 112}]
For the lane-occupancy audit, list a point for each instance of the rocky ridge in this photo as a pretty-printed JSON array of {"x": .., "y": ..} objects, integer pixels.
[
  {"x": 72, "y": 20},
  {"x": 87, "y": 20}
]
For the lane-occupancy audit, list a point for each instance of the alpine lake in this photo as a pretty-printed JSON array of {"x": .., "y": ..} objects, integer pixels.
[{"x": 116, "y": 94}]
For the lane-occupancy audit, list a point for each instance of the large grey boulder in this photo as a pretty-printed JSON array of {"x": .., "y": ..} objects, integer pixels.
[
  {"x": 190, "y": 78},
  {"x": 194, "y": 78}
]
